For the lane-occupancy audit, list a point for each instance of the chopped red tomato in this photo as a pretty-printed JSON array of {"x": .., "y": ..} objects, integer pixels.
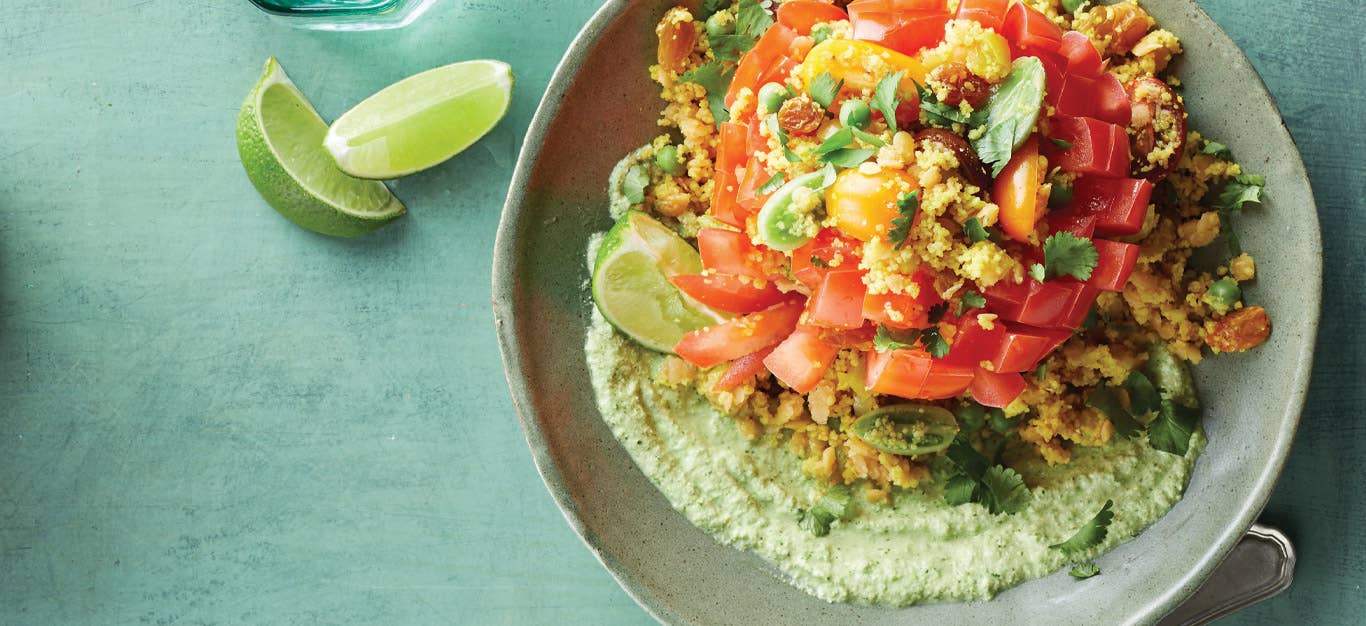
[
  {"x": 973, "y": 344},
  {"x": 1102, "y": 97},
  {"x": 1030, "y": 32},
  {"x": 838, "y": 302},
  {"x": 830, "y": 251},
  {"x": 996, "y": 389},
  {"x": 735, "y": 338},
  {"x": 1119, "y": 204},
  {"x": 899, "y": 310},
  {"x": 730, "y": 154},
  {"x": 989, "y": 13},
  {"x": 1096, "y": 146},
  {"x": 731, "y": 252},
  {"x": 778, "y": 71},
  {"x": 771, "y": 48},
  {"x": 802, "y": 15},
  {"x": 861, "y": 337},
  {"x": 725, "y": 292},
  {"x": 1057, "y": 303},
  {"x": 1016, "y": 191},
  {"x": 742, "y": 369},
  {"x": 1070, "y": 221},
  {"x": 914, "y": 374},
  {"x": 1115, "y": 263},
  {"x": 1023, "y": 348},
  {"x": 902, "y": 25},
  {"x": 748, "y": 196},
  {"x": 1082, "y": 56},
  {"x": 801, "y": 360}
]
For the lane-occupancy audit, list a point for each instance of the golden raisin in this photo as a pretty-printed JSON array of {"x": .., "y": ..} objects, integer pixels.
[
  {"x": 800, "y": 116},
  {"x": 1240, "y": 330},
  {"x": 1157, "y": 128},
  {"x": 969, "y": 165},
  {"x": 957, "y": 84},
  {"x": 677, "y": 38},
  {"x": 1116, "y": 28}
]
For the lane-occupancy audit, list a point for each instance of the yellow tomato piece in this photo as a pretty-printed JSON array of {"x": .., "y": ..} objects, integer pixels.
[
  {"x": 863, "y": 205},
  {"x": 861, "y": 65},
  {"x": 1016, "y": 192}
]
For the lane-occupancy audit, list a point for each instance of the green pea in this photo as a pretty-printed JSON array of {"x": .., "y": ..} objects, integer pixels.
[
  {"x": 720, "y": 24},
  {"x": 667, "y": 159},
  {"x": 1223, "y": 294},
  {"x": 1060, "y": 195},
  {"x": 855, "y": 114},
  {"x": 972, "y": 416},
  {"x": 999, "y": 422},
  {"x": 772, "y": 96}
]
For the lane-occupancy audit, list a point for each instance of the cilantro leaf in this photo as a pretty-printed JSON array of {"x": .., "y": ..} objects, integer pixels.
[
  {"x": 728, "y": 48},
  {"x": 934, "y": 343},
  {"x": 849, "y": 157},
  {"x": 837, "y": 140},
  {"x": 777, "y": 130},
  {"x": 1244, "y": 188},
  {"x": 1036, "y": 272},
  {"x": 1105, "y": 400},
  {"x": 907, "y": 205},
  {"x": 823, "y": 89},
  {"x": 1082, "y": 571},
  {"x": 834, "y": 505},
  {"x": 892, "y": 339},
  {"x": 960, "y": 490},
  {"x": 1068, "y": 254},
  {"x": 772, "y": 184},
  {"x": 1091, "y": 534},
  {"x": 836, "y": 501},
  {"x": 751, "y": 18},
  {"x": 819, "y": 262},
  {"x": 936, "y": 312},
  {"x": 1143, "y": 398},
  {"x": 634, "y": 183},
  {"x": 868, "y": 138},
  {"x": 1217, "y": 149},
  {"x": 885, "y": 99},
  {"x": 1041, "y": 372},
  {"x": 974, "y": 231},
  {"x": 971, "y": 300},
  {"x": 945, "y": 115},
  {"x": 967, "y": 458},
  {"x": 715, "y": 80},
  {"x": 1171, "y": 430},
  {"x": 1061, "y": 143},
  {"x": 711, "y": 7},
  {"x": 816, "y": 521},
  {"x": 1004, "y": 491}
]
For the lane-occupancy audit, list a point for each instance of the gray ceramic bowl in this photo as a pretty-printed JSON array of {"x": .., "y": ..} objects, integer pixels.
[{"x": 601, "y": 104}]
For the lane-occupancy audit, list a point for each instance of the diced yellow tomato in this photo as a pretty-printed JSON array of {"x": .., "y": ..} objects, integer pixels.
[
  {"x": 984, "y": 52},
  {"x": 861, "y": 65},
  {"x": 864, "y": 205},
  {"x": 1016, "y": 191}
]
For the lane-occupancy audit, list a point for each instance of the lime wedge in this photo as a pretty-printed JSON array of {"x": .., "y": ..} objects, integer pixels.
[
  {"x": 631, "y": 283},
  {"x": 421, "y": 120},
  {"x": 279, "y": 139}
]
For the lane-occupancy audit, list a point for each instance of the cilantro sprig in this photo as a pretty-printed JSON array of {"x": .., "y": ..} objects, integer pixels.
[
  {"x": 1090, "y": 534},
  {"x": 907, "y": 205},
  {"x": 714, "y": 78},
  {"x": 970, "y": 300},
  {"x": 896, "y": 339},
  {"x": 833, "y": 505},
  {"x": 974, "y": 230},
  {"x": 946, "y": 115},
  {"x": 1000, "y": 489},
  {"x": 1065, "y": 254},
  {"x": 1242, "y": 189},
  {"x": 885, "y": 99},
  {"x": 824, "y": 88}
]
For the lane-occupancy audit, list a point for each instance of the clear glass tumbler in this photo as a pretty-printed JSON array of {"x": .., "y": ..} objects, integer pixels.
[{"x": 345, "y": 14}]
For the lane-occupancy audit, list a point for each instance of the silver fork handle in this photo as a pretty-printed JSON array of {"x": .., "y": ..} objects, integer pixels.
[{"x": 1259, "y": 567}]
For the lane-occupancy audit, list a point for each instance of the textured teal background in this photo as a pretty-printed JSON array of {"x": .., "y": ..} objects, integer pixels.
[{"x": 210, "y": 416}]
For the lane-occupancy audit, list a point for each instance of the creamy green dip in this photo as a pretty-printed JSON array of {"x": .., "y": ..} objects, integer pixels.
[{"x": 747, "y": 494}]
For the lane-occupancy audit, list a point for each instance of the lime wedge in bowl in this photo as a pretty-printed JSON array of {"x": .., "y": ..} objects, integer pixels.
[
  {"x": 421, "y": 120},
  {"x": 631, "y": 283},
  {"x": 279, "y": 139}
]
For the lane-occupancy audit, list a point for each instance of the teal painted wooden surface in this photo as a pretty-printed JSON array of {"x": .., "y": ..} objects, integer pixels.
[{"x": 209, "y": 416}]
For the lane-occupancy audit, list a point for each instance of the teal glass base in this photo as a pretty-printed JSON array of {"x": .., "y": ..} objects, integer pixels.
[{"x": 344, "y": 14}]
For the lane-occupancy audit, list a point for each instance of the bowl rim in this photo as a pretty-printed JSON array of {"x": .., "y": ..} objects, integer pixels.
[{"x": 504, "y": 309}]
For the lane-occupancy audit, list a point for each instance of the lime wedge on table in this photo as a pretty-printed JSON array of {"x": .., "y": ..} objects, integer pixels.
[
  {"x": 421, "y": 120},
  {"x": 279, "y": 138},
  {"x": 631, "y": 283}
]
